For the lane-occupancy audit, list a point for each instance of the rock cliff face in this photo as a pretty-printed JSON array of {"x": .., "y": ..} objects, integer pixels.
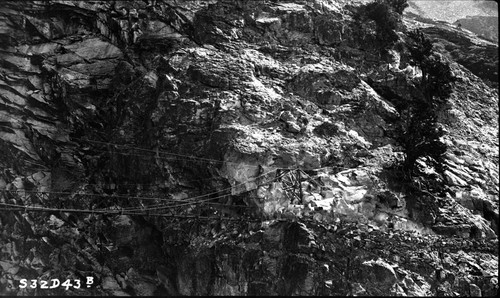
[{"x": 281, "y": 111}]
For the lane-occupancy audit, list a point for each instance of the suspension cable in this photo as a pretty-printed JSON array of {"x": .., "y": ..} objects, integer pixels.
[
  {"x": 138, "y": 197},
  {"x": 161, "y": 151},
  {"x": 14, "y": 207},
  {"x": 185, "y": 202}
]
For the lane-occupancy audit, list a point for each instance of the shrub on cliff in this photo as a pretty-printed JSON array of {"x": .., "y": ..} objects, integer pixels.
[
  {"x": 398, "y": 5},
  {"x": 420, "y": 135},
  {"x": 387, "y": 16},
  {"x": 436, "y": 73}
]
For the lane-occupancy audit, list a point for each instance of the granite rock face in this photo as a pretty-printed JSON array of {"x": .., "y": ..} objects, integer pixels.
[{"x": 283, "y": 110}]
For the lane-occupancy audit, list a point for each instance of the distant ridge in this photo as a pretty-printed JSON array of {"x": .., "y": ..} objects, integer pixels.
[
  {"x": 485, "y": 26},
  {"x": 452, "y": 10}
]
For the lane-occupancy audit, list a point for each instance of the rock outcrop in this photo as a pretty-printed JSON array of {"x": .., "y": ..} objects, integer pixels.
[{"x": 236, "y": 148}]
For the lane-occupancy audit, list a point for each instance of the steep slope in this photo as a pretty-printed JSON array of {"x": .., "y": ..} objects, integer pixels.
[
  {"x": 235, "y": 147},
  {"x": 477, "y": 16},
  {"x": 485, "y": 26},
  {"x": 450, "y": 10}
]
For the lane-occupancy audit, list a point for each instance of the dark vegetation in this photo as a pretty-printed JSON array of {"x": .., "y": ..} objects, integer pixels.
[
  {"x": 387, "y": 16},
  {"x": 420, "y": 132}
]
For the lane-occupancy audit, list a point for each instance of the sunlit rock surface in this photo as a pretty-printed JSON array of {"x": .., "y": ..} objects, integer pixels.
[{"x": 281, "y": 113}]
